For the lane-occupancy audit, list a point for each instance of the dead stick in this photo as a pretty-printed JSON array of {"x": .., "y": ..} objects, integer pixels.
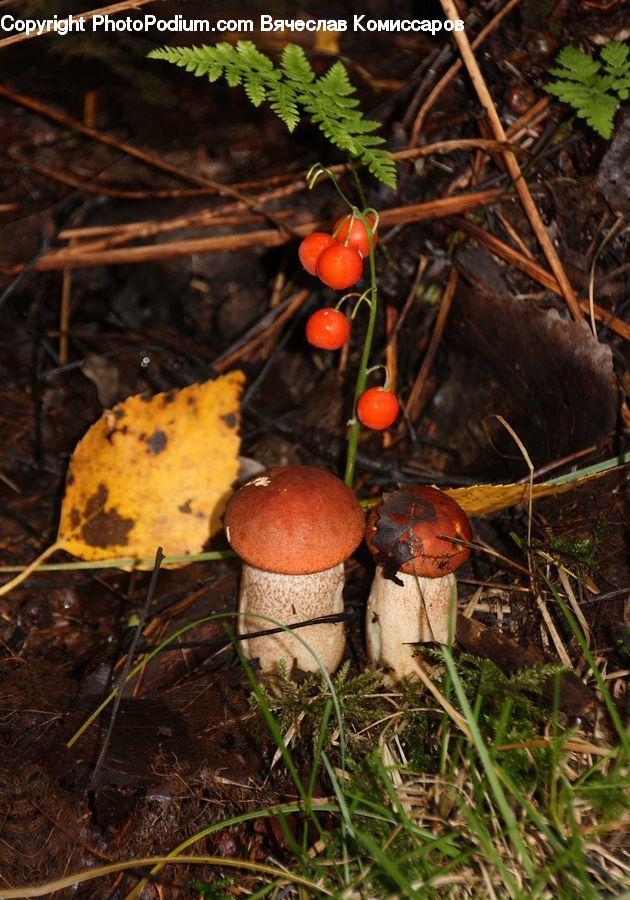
[
  {"x": 542, "y": 276},
  {"x": 575, "y": 698},
  {"x": 75, "y": 258},
  {"x": 520, "y": 184},
  {"x": 147, "y": 158},
  {"x": 104, "y": 10},
  {"x": 149, "y": 228},
  {"x": 300, "y": 298},
  {"x": 450, "y": 73},
  {"x": 413, "y": 407},
  {"x": 391, "y": 358}
]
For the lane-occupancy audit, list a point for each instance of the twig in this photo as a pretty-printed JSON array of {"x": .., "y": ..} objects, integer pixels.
[
  {"x": 103, "y": 190},
  {"x": 300, "y": 298},
  {"x": 512, "y": 166},
  {"x": 423, "y": 262},
  {"x": 104, "y": 10},
  {"x": 76, "y": 258},
  {"x": 147, "y": 158},
  {"x": 24, "y": 272},
  {"x": 26, "y": 571},
  {"x": 159, "y": 556},
  {"x": 575, "y": 697},
  {"x": 450, "y": 74},
  {"x": 591, "y": 275},
  {"x": 391, "y": 357},
  {"x": 446, "y": 705},
  {"x": 64, "y": 315},
  {"x": 542, "y": 276},
  {"x": 413, "y": 407}
]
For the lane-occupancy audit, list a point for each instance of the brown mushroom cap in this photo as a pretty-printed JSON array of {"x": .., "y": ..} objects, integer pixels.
[
  {"x": 294, "y": 520},
  {"x": 406, "y": 532}
]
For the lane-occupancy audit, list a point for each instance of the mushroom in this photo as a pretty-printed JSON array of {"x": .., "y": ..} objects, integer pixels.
[
  {"x": 414, "y": 594},
  {"x": 293, "y": 527}
]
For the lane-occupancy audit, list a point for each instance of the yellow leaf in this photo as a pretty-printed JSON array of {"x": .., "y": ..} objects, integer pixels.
[
  {"x": 154, "y": 472},
  {"x": 481, "y": 499}
]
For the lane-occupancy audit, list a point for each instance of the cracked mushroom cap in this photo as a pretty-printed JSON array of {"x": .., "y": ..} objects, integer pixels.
[
  {"x": 294, "y": 520},
  {"x": 406, "y": 532}
]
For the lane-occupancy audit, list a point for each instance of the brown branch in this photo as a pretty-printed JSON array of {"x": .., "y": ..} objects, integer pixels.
[
  {"x": 104, "y": 10},
  {"x": 147, "y": 158},
  {"x": 511, "y": 164},
  {"x": 537, "y": 273},
  {"x": 450, "y": 73},
  {"x": 413, "y": 407},
  {"x": 128, "y": 231},
  {"x": 575, "y": 698},
  {"x": 223, "y": 364},
  {"x": 76, "y": 258}
]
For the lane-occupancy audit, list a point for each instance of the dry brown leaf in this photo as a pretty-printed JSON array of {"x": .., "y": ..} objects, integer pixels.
[
  {"x": 154, "y": 472},
  {"x": 482, "y": 499}
]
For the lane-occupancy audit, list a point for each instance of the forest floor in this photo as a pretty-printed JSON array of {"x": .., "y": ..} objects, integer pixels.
[{"x": 486, "y": 778}]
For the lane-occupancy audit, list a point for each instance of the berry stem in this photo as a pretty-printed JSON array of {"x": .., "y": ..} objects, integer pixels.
[
  {"x": 371, "y": 295},
  {"x": 355, "y": 427}
]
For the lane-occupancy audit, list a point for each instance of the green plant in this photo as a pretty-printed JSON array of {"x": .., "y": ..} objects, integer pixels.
[
  {"x": 213, "y": 890},
  {"x": 290, "y": 88},
  {"x": 593, "y": 87},
  {"x": 327, "y": 329},
  {"x": 581, "y": 549},
  {"x": 300, "y": 705}
]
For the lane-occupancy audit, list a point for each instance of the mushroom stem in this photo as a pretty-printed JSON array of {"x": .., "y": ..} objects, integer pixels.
[
  {"x": 291, "y": 599},
  {"x": 398, "y": 616}
]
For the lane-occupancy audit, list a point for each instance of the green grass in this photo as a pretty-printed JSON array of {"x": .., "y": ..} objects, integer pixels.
[
  {"x": 414, "y": 807},
  {"x": 479, "y": 820}
]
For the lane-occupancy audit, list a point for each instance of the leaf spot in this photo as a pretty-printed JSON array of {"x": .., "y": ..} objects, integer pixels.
[
  {"x": 104, "y": 529},
  {"x": 157, "y": 442}
]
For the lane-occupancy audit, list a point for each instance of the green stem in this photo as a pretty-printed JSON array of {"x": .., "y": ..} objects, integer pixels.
[{"x": 353, "y": 435}]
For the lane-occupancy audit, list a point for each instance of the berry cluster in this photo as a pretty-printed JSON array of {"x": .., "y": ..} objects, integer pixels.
[{"x": 337, "y": 260}]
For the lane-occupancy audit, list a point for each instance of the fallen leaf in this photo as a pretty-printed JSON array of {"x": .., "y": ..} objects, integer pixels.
[
  {"x": 154, "y": 472},
  {"x": 547, "y": 376},
  {"x": 482, "y": 499}
]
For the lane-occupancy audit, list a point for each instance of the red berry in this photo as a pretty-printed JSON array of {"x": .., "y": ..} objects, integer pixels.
[
  {"x": 377, "y": 408},
  {"x": 311, "y": 249},
  {"x": 327, "y": 329},
  {"x": 339, "y": 267},
  {"x": 358, "y": 239}
]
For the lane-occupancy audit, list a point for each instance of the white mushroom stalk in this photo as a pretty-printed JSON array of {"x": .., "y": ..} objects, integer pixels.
[
  {"x": 293, "y": 527},
  {"x": 399, "y": 616},
  {"x": 299, "y": 598},
  {"x": 413, "y": 599}
]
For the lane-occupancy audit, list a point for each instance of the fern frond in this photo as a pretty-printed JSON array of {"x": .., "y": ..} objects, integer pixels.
[
  {"x": 291, "y": 87},
  {"x": 575, "y": 65},
  {"x": 381, "y": 165},
  {"x": 255, "y": 90},
  {"x": 295, "y": 66},
  {"x": 251, "y": 58},
  {"x": 616, "y": 58},
  {"x": 283, "y": 103},
  {"x": 336, "y": 81},
  {"x": 600, "y": 115},
  {"x": 593, "y": 88}
]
